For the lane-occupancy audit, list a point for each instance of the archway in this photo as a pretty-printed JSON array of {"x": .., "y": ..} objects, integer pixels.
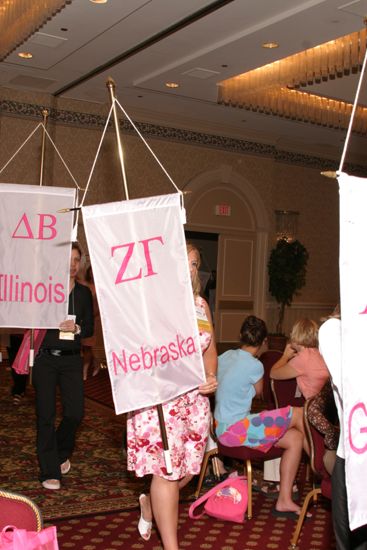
[{"x": 222, "y": 201}]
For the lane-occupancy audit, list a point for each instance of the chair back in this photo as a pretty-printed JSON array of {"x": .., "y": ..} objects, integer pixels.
[
  {"x": 19, "y": 511},
  {"x": 284, "y": 392},
  {"x": 268, "y": 359},
  {"x": 316, "y": 443}
]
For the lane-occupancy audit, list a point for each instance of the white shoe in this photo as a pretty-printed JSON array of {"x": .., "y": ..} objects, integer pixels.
[
  {"x": 144, "y": 526},
  {"x": 65, "y": 467},
  {"x": 52, "y": 484}
]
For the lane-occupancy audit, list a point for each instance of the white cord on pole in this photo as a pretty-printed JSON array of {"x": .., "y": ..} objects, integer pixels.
[
  {"x": 353, "y": 113},
  {"x": 147, "y": 145},
  {"x": 96, "y": 157},
  {"x": 62, "y": 160},
  {"x": 24, "y": 142},
  {"x": 56, "y": 149}
]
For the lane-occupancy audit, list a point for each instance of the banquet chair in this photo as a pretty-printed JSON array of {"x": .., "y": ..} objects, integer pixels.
[
  {"x": 243, "y": 454},
  {"x": 211, "y": 452},
  {"x": 248, "y": 456},
  {"x": 268, "y": 359},
  {"x": 19, "y": 511},
  {"x": 284, "y": 393},
  {"x": 317, "y": 450}
]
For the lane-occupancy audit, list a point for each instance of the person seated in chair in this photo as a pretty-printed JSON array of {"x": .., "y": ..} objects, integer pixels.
[
  {"x": 301, "y": 359},
  {"x": 240, "y": 379}
]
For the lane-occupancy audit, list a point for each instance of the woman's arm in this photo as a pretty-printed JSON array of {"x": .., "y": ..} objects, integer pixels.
[
  {"x": 210, "y": 359},
  {"x": 259, "y": 387},
  {"x": 281, "y": 370}
]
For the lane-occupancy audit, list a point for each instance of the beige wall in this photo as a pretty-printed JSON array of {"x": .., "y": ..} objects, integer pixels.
[{"x": 295, "y": 183}]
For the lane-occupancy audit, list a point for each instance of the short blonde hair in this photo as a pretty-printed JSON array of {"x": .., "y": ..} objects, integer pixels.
[
  {"x": 305, "y": 333},
  {"x": 196, "y": 284}
]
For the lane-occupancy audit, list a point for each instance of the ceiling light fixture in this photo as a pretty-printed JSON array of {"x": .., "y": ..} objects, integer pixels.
[
  {"x": 275, "y": 88},
  {"x": 99, "y": 1},
  {"x": 19, "y": 20},
  {"x": 270, "y": 45},
  {"x": 172, "y": 85},
  {"x": 25, "y": 55}
]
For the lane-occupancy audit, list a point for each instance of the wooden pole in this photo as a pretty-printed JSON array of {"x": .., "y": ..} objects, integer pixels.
[
  {"x": 45, "y": 114},
  {"x": 112, "y": 88}
]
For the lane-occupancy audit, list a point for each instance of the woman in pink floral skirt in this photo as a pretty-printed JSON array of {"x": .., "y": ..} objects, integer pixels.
[{"x": 187, "y": 420}]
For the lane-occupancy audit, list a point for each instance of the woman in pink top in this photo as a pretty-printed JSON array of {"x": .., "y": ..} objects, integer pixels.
[{"x": 302, "y": 360}]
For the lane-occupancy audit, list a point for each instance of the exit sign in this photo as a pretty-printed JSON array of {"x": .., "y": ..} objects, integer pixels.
[{"x": 222, "y": 210}]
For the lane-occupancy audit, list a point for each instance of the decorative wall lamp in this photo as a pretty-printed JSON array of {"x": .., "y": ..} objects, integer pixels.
[{"x": 286, "y": 225}]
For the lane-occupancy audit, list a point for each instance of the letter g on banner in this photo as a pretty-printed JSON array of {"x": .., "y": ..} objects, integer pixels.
[{"x": 353, "y": 420}]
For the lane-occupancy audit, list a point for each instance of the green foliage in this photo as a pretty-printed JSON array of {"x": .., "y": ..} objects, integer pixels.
[{"x": 287, "y": 274}]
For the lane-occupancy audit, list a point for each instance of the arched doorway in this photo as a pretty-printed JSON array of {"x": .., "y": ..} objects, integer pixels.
[{"x": 221, "y": 201}]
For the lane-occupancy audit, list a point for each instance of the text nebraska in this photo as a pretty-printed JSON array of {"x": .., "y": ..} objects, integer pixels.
[{"x": 156, "y": 357}]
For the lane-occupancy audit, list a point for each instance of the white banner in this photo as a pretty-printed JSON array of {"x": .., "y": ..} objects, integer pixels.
[
  {"x": 353, "y": 291},
  {"x": 35, "y": 255},
  {"x": 138, "y": 255}
]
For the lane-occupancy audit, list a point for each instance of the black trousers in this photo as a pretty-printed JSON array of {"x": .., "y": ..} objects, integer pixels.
[
  {"x": 345, "y": 538},
  {"x": 54, "y": 446},
  {"x": 19, "y": 380}
]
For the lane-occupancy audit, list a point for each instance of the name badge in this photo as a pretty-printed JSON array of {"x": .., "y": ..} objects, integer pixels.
[{"x": 203, "y": 323}]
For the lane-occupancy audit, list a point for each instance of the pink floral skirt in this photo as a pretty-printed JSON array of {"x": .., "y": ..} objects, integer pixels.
[{"x": 187, "y": 420}]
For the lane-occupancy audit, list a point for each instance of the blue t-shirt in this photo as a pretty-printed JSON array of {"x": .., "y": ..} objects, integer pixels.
[{"x": 238, "y": 371}]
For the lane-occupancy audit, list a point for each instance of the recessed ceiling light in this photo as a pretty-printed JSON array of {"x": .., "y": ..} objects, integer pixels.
[
  {"x": 270, "y": 45},
  {"x": 99, "y": 1},
  {"x": 25, "y": 55},
  {"x": 172, "y": 85}
]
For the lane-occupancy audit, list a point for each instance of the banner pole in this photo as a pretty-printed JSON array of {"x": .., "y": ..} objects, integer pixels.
[
  {"x": 112, "y": 88},
  {"x": 45, "y": 114}
]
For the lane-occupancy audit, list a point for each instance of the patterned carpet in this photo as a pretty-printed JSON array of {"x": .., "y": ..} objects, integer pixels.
[
  {"x": 96, "y": 509},
  {"x": 263, "y": 532},
  {"x": 98, "y": 480}
]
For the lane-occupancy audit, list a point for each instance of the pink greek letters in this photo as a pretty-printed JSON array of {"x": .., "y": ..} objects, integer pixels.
[
  {"x": 120, "y": 278},
  {"x": 46, "y": 228}
]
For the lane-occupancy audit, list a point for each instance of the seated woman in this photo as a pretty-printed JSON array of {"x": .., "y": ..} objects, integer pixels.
[
  {"x": 302, "y": 360},
  {"x": 240, "y": 379}
]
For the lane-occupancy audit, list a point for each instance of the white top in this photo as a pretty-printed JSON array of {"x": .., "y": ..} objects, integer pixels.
[{"x": 330, "y": 349}]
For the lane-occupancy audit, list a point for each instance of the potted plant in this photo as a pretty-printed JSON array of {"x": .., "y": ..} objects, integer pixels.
[{"x": 287, "y": 274}]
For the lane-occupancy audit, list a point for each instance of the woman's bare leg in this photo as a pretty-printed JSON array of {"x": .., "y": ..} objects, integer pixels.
[
  {"x": 146, "y": 505},
  {"x": 184, "y": 481},
  {"x": 164, "y": 495},
  {"x": 297, "y": 422},
  {"x": 291, "y": 442}
]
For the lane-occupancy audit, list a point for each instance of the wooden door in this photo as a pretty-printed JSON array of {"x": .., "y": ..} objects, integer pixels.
[{"x": 235, "y": 284}]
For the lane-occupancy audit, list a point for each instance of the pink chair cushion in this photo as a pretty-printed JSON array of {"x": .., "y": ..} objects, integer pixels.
[
  {"x": 20, "y": 513},
  {"x": 245, "y": 453}
]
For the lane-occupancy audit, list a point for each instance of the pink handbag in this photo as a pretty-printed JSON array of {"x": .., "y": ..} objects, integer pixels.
[
  {"x": 226, "y": 501},
  {"x": 12, "y": 538}
]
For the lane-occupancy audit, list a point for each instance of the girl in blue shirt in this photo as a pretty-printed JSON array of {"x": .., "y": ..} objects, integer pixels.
[{"x": 240, "y": 379}]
